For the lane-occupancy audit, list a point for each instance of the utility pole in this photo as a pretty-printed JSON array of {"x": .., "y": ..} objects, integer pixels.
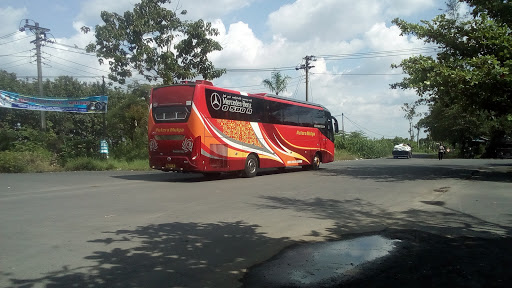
[
  {"x": 40, "y": 33},
  {"x": 104, "y": 114},
  {"x": 343, "y": 124},
  {"x": 307, "y": 67}
]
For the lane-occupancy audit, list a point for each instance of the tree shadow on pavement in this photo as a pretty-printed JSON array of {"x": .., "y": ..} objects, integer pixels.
[
  {"x": 359, "y": 215},
  {"x": 168, "y": 255},
  {"x": 442, "y": 248},
  {"x": 414, "y": 173}
]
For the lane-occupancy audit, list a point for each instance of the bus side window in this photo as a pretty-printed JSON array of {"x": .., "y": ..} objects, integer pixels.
[{"x": 274, "y": 113}]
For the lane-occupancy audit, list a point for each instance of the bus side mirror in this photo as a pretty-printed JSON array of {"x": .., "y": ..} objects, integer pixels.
[{"x": 336, "y": 127}]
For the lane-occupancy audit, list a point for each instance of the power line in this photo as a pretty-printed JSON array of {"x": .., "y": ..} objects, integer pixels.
[
  {"x": 57, "y": 76},
  {"x": 15, "y": 40},
  {"x": 69, "y": 46},
  {"x": 4, "y": 64},
  {"x": 76, "y": 63},
  {"x": 379, "y": 53},
  {"x": 53, "y": 61},
  {"x": 76, "y": 52},
  {"x": 8, "y": 35},
  {"x": 17, "y": 65},
  {"x": 361, "y": 127},
  {"x": 8, "y": 55},
  {"x": 360, "y": 74},
  {"x": 297, "y": 87},
  {"x": 289, "y": 68}
]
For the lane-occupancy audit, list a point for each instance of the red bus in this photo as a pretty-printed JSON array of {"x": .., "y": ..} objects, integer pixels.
[{"x": 197, "y": 127}]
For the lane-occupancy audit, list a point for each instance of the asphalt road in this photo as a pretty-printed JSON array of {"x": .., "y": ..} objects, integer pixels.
[{"x": 156, "y": 229}]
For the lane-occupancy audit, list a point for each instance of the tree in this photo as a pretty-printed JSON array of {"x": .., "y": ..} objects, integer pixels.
[
  {"x": 472, "y": 73},
  {"x": 472, "y": 69},
  {"x": 156, "y": 43},
  {"x": 499, "y": 10},
  {"x": 454, "y": 125},
  {"x": 277, "y": 82},
  {"x": 410, "y": 113}
]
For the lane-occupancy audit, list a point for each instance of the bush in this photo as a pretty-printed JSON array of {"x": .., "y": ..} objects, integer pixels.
[
  {"x": 356, "y": 143},
  {"x": 22, "y": 162},
  {"x": 130, "y": 151}
]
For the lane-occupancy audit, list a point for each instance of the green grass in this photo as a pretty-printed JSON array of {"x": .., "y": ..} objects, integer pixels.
[
  {"x": 88, "y": 164},
  {"x": 30, "y": 162},
  {"x": 343, "y": 155},
  {"x": 23, "y": 162},
  {"x": 135, "y": 165},
  {"x": 91, "y": 164}
]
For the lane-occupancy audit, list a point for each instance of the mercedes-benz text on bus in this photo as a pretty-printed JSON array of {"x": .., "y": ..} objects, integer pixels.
[{"x": 197, "y": 127}]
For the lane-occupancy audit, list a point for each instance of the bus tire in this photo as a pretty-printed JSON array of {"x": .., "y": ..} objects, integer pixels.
[
  {"x": 315, "y": 164},
  {"x": 251, "y": 166}
]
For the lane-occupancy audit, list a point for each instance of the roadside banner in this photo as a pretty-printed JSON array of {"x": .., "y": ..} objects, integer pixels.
[{"x": 92, "y": 104}]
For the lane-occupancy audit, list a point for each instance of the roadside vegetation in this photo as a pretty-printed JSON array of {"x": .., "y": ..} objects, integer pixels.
[{"x": 356, "y": 145}]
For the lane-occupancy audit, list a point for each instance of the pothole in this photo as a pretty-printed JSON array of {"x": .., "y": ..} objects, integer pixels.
[{"x": 317, "y": 264}]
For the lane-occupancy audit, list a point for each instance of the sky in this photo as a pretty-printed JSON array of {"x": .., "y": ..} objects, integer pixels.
[{"x": 353, "y": 43}]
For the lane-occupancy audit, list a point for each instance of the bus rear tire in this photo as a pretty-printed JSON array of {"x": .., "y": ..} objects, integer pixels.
[{"x": 251, "y": 166}]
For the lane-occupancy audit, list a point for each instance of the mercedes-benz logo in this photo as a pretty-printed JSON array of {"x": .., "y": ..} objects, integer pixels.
[{"x": 216, "y": 101}]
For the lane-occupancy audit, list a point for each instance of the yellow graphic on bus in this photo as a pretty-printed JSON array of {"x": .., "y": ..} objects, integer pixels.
[
  {"x": 306, "y": 133},
  {"x": 169, "y": 130}
]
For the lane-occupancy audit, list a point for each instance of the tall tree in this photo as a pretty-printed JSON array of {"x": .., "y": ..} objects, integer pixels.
[
  {"x": 277, "y": 82},
  {"x": 472, "y": 72},
  {"x": 410, "y": 113},
  {"x": 156, "y": 43},
  {"x": 500, "y": 10}
]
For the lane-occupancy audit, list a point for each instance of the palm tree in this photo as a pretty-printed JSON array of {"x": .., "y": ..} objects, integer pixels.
[{"x": 277, "y": 82}]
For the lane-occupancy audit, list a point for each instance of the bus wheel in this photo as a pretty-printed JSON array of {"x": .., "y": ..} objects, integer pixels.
[
  {"x": 315, "y": 165},
  {"x": 251, "y": 166}
]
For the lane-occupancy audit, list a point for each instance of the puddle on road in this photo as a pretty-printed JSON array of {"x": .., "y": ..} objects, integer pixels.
[{"x": 314, "y": 264}]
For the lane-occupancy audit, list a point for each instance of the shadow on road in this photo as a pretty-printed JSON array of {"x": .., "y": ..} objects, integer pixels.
[
  {"x": 360, "y": 215},
  {"x": 412, "y": 173},
  {"x": 198, "y": 177},
  {"x": 445, "y": 248},
  {"x": 167, "y": 255}
]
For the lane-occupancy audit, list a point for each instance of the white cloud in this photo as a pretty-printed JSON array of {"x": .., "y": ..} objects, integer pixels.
[
  {"x": 326, "y": 20},
  {"x": 240, "y": 47},
  {"x": 206, "y": 9},
  {"x": 337, "y": 20},
  {"x": 196, "y": 9},
  {"x": 91, "y": 10},
  {"x": 10, "y": 19}
]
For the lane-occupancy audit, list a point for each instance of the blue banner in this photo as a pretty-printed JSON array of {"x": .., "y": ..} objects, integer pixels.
[{"x": 92, "y": 104}]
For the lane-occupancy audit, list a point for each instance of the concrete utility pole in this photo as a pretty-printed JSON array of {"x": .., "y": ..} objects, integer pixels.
[
  {"x": 307, "y": 67},
  {"x": 343, "y": 124},
  {"x": 40, "y": 33}
]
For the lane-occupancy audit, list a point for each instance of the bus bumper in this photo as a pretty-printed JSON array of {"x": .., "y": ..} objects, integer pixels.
[{"x": 172, "y": 163}]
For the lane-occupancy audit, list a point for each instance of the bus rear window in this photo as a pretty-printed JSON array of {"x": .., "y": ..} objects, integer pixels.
[{"x": 174, "y": 114}]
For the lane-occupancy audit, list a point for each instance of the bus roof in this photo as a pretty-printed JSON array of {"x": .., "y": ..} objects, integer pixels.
[{"x": 266, "y": 95}]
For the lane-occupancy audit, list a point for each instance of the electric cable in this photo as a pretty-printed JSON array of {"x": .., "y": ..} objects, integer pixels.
[
  {"x": 361, "y": 127},
  {"x": 15, "y": 40}
]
